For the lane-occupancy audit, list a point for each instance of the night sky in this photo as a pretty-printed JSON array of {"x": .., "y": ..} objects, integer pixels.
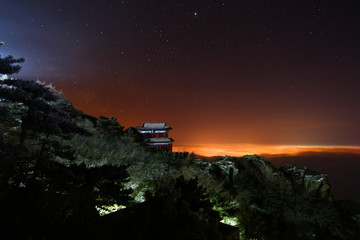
[{"x": 221, "y": 73}]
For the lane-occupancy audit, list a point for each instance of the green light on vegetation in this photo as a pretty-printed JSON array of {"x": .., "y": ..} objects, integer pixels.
[
  {"x": 230, "y": 221},
  {"x": 106, "y": 209}
]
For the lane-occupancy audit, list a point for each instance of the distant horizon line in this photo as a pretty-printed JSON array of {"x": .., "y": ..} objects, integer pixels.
[{"x": 212, "y": 150}]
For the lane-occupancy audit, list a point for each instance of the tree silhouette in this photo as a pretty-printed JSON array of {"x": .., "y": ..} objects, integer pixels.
[
  {"x": 41, "y": 114},
  {"x": 109, "y": 126},
  {"x": 7, "y": 64}
]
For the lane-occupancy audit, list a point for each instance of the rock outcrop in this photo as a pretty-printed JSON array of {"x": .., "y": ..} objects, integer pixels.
[
  {"x": 307, "y": 179},
  {"x": 298, "y": 178}
]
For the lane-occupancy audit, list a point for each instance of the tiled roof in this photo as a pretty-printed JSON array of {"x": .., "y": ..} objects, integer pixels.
[{"x": 155, "y": 125}]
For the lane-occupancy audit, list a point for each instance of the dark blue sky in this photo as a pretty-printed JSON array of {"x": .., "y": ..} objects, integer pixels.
[{"x": 274, "y": 72}]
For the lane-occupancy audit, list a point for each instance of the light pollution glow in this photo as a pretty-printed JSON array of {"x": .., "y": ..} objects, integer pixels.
[{"x": 265, "y": 150}]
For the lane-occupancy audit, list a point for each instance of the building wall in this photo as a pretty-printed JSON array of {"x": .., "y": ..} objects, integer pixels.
[{"x": 156, "y": 135}]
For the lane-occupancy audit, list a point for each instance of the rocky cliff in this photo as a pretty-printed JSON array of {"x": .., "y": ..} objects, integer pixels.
[
  {"x": 290, "y": 202},
  {"x": 297, "y": 178}
]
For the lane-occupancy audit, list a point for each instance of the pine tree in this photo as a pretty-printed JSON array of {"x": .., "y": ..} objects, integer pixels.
[
  {"x": 41, "y": 115},
  {"x": 109, "y": 126},
  {"x": 7, "y": 64}
]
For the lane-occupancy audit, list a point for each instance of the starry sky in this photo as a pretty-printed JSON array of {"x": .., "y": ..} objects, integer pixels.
[{"x": 221, "y": 73}]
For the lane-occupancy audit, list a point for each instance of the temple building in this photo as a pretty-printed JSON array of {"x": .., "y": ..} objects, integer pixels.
[{"x": 156, "y": 135}]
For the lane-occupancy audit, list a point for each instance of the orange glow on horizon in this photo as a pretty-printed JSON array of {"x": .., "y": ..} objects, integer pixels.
[{"x": 244, "y": 149}]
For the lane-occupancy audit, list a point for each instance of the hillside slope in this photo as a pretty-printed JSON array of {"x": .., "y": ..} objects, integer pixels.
[{"x": 60, "y": 168}]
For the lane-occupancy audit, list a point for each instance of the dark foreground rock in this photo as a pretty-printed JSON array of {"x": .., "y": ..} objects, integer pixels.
[{"x": 291, "y": 202}]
